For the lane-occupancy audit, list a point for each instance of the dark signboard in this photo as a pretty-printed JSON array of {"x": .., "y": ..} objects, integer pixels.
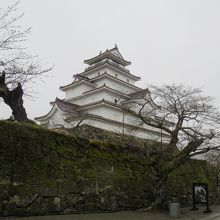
[{"x": 200, "y": 195}]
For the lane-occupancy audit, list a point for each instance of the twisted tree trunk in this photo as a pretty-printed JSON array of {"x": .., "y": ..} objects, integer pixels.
[
  {"x": 13, "y": 99},
  {"x": 160, "y": 192}
]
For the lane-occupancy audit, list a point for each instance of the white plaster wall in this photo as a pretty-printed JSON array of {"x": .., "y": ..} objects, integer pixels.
[
  {"x": 119, "y": 129},
  {"x": 126, "y": 89},
  {"x": 106, "y": 112},
  {"x": 122, "y": 76},
  {"x": 86, "y": 99},
  {"x": 103, "y": 125},
  {"x": 56, "y": 119},
  {"x": 77, "y": 90},
  {"x": 74, "y": 123},
  {"x": 120, "y": 116},
  {"x": 111, "y": 71},
  {"x": 112, "y": 113},
  {"x": 93, "y": 73},
  {"x": 96, "y": 96},
  {"x": 100, "y": 110},
  {"x": 137, "y": 105},
  {"x": 135, "y": 121}
]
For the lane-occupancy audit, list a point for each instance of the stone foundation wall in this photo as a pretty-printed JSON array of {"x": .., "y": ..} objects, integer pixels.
[{"x": 43, "y": 172}]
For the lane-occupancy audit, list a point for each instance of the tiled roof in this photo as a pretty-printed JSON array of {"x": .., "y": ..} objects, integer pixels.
[
  {"x": 115, "y": 78},
  {"x": 107, "y": 87},
  {"x": 108, "y": 54},
  {"x": 139, "y": 94},
  {"x": 116, "y": 52},
  {"x": 66, "y": 106},
  {"x": 62, "y": 105},
  {"x": 81, "y": 78},
  {"x": 99, "y": 102},
  {"x": 111, "y": 64}
]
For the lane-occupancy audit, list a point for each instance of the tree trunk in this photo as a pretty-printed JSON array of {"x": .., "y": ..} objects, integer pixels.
[
  {"x": 160, "y": 192},
  {"x": 13, "y": 99}
]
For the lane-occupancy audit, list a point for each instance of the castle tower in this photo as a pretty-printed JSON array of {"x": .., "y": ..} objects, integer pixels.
[{"x": 104, "y": 95}]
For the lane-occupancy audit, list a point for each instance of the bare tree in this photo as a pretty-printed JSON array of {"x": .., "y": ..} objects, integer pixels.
[
  {"x": 70, "y": 127},
  {"x": 17, "y": 67},
  {"x": 213, "y": 158},
  {"x": 192, "y": 122}
]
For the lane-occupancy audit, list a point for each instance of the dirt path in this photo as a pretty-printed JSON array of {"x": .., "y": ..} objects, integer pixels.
[{"x": 130, "y": 215}]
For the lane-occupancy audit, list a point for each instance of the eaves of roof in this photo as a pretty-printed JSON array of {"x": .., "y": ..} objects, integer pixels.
[
  {"x": 107, "y": 88},
  {"x": 103, "y": 101},
  {"x": 63, "y": 106},
  {"x": 107, "y": 54},
  {"x": 76, "y": 109},
  {"x": 116, "y": 49},
  {"x": 126, "y": 73},
  {"x": 64, "y": 88},
  {"x": 116, "y": 79},
  {"x": 139, "y": 94}
]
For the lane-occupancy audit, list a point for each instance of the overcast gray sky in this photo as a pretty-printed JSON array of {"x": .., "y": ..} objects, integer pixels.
[{"x": 166, "y": 41}]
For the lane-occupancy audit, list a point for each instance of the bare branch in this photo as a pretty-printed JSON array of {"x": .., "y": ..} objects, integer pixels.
[{"x": 18, "y": 67}]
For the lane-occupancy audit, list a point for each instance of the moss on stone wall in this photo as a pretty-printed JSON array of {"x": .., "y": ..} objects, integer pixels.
[{"x": 43, "y": 172}]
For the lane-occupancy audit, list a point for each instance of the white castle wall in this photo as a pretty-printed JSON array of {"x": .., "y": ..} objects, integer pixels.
[
  {"x": 117, "y": 85},
  {"x": 95, "y": 97},
  {"x": 114, "y": 127},
  {"x": 77, "y": 90},
  {"x": 118, "y": 115},
  {"x": 106, "y": 112},
  {"x": 111, "y": 71},
  {"x": 56, "y": 119}
]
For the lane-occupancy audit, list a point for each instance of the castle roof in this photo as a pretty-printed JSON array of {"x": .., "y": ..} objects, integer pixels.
[
  {"x": 76, "y": 109},
  {"x": 113, "y": 65},
  {"x": 62, "y": 105},
  {"x": 79, "y": 77},
  {"x": 113, "y": 54},
  {"x": 66, "y": 106},
  {"x": 104, "y": 86},
  {"x": 114, "y": 78},
  {"x": 139, "y": 94},
  {"x": 102, "y": 101},
  {"x": 116, "y": 52},
  {"x": 81, "y": 80}
]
